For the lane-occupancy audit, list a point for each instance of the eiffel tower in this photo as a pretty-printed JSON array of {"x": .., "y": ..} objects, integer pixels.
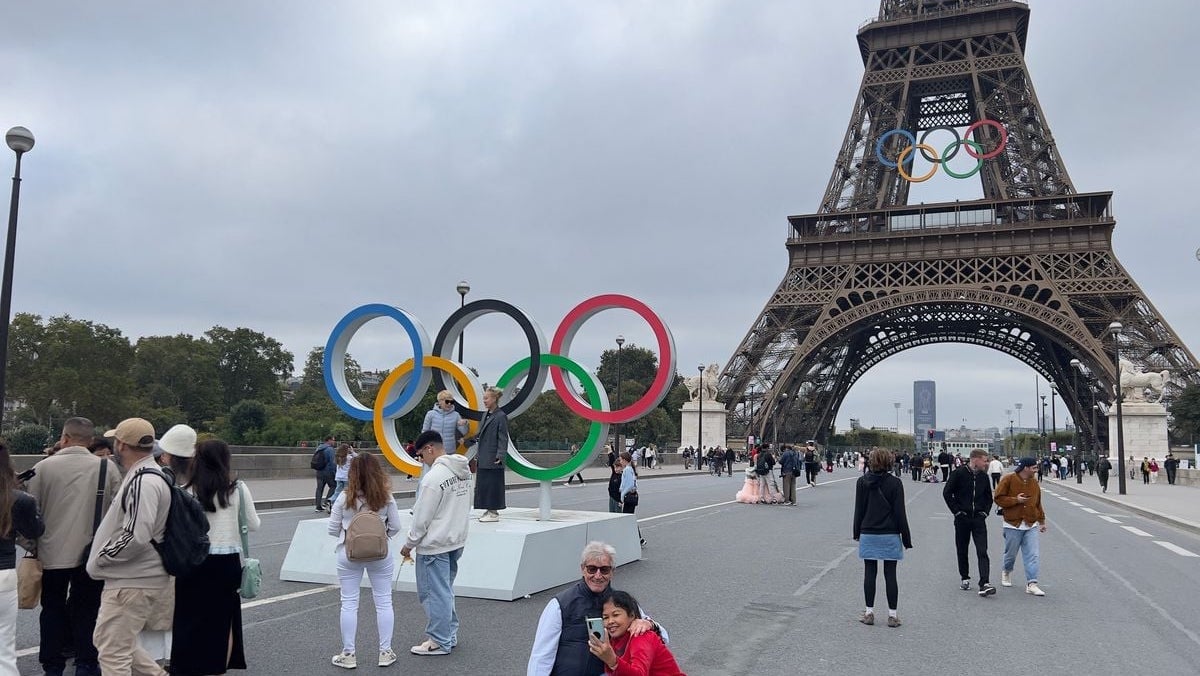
[{"x": 1028, "y": 270}]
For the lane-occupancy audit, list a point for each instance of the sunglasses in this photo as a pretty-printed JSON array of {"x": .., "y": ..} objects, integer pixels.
[
  {"x": 603, "y": 570},
  {"x": 447, "y": 401}
]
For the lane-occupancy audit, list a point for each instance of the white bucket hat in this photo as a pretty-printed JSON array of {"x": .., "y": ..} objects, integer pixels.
[{"x": 179, "y": 441}]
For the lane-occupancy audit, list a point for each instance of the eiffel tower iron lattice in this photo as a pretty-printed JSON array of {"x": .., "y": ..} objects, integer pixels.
[{"x": 1028, "y": 270}]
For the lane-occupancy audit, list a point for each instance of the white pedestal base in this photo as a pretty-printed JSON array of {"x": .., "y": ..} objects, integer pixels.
[
  {"x": 1145, "y": 431},
  {"x": 505, "y": 560},
  {"x": 711, "y": 422}
]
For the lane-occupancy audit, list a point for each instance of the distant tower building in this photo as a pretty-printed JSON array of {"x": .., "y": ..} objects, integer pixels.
[{"x": 924, "y": 407}]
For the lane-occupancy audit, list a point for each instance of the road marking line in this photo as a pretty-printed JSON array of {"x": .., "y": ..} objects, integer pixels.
[
  {"x": 1108, "y": 518},
  {"x": 1089, "y": 510},
  {"x": 728, "y": 502},
  {"x": 1137, "y": 531},
  {"x": 1073, "y": 503},
  {"x": 1176, "y": 548},
  {"x": 288, "y": 597},
  {"x": 824, "y": 571}
]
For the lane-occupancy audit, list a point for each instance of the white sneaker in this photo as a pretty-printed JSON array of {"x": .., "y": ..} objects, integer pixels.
[
  {"x": 1006, "y": 578},
  {"x": 345, "y": 661},
  {"x": 428, "y": 648},
  {"x": 387, "y": 657},
  {"x": 489, "y": 517},
  {"x": 1033, "y": 588}
]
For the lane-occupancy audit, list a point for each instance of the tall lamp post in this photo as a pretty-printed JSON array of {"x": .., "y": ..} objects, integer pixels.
[
  {"x": 617, "y": 431},
  {"x": 1053, "y": 416},
  {"x": 700, "y": 419},
  {"x": 1045, "y": 442},
  {"x": 462, "y": 289},
  {"x": 1076, "y": 367},
  {"x": 1115, "y": 330},
  {"x": 1018, "y": 407},
  {"x": 1012, "y": 443},
  {"x": 897, "y": 405},
  {"x": 20, "y": 140},
  {"x": 1008, "y": 414}
]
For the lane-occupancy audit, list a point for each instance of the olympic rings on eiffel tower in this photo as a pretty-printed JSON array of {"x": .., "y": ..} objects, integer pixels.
[
  {"x": 401, "y": 391},
  {"x": 973, "y": 148}
]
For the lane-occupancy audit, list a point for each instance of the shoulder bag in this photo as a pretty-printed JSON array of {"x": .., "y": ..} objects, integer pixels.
[{"x": 251, "y": 568}]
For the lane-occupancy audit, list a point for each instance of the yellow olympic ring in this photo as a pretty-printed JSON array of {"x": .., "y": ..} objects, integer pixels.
[
  {"x": 385, "y": 429},
  {"x": 904, "y": 153}
]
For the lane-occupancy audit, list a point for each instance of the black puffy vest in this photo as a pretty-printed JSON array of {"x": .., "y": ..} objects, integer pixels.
[{"x": 577, "y": 603}]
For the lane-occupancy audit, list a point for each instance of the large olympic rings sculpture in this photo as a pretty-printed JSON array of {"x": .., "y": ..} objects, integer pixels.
[
  {"x": 401, "y": 391},
  {"x": 973, "y": 149}
]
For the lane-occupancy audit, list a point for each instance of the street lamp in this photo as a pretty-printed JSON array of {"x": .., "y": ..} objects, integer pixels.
[
  {"x": 1012, "y": 443},
  {"x": 462, "y": 289},
  {"x": 1115, "y": 329},
  {"x": 21, "y": 141},
  {"x": 1053, "y": 421},
  {"x": 1045, "y": 443},
  {"x": 1018, "y": 407},
  {"x": 617, "y": 431},
  {"x": 897, "y": 405},
  {"x": 1076, "y": 367},
  {"x": 699, "y": 417}
]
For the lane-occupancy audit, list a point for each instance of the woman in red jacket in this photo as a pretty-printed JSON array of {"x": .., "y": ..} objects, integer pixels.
[{"x": 626, "y": 655}]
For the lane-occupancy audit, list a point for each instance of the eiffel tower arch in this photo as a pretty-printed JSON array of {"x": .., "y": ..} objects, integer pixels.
[{"x": 1028, "y": 270}]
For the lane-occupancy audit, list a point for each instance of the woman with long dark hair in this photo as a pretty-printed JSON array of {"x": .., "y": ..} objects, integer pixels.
[
  {"x": 18, "y": 516},
  {"x": 881, "y": 529},
  {"x": 208, "y": 610},
  {"x": 624, "y": 654},
  {"x": 368, "y": 489}
]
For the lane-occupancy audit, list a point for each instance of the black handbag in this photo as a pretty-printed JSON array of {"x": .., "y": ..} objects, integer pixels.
[{"x": 631, "y": 499}]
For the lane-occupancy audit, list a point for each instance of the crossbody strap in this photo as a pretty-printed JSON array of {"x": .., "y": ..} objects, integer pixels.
[
  {"x": 99, "y": 495},
  {"x": 242, "y": 527}
]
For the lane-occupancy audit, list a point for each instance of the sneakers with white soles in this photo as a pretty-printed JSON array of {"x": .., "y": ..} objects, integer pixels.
[
  {"x": 345, "y": 661},
  {"x": 428, "y": 648},
  {"x": 1006, "y": 578},
  {"x": 387, "y": 657}
]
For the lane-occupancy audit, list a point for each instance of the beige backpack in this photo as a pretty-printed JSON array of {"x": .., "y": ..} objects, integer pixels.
[{"x": 366, "y": 537}]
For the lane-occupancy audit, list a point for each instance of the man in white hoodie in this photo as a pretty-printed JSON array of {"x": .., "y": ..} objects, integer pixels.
[{"x": 437, "y": 536}]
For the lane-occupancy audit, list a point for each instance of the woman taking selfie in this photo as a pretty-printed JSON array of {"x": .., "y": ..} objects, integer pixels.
[{"x": 624, "y": 654}]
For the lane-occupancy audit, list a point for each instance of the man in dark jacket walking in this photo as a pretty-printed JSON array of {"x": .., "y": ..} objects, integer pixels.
[
  {"x": 1102, "y": 469},
  {"x": 325, "y": 474},
  {"x": 968, "y": 494}
]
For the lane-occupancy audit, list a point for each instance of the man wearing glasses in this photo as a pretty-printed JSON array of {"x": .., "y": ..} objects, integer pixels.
[{"x": 561, "y": 643}]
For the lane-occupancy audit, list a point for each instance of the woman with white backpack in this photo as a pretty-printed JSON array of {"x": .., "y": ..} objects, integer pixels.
[{"x": 363, "y": 518}]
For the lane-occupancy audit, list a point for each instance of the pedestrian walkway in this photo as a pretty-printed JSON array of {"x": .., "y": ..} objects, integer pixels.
[
  {"x": 284, "y": 493},
  {"x": 1175, "y": 505}
]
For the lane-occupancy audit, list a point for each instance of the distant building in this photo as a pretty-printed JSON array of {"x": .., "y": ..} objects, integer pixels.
[{"x": 924, "y": 407}]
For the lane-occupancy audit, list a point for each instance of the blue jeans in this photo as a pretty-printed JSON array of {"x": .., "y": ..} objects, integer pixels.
[
  {"x": 435, "y": 589},
  {"x": 337, "y": 490},
  {"x": 1027, "y": 542}
]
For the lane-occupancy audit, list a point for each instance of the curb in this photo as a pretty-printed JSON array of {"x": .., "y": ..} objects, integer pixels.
[
  {"x": 1183, "y": 524},
  {"x": 286, "y": 503}
]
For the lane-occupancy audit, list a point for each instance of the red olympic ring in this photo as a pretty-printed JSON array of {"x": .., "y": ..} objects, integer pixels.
[
  {"x": 999, "y": 146},
  {"x": 663, "y": 380}
]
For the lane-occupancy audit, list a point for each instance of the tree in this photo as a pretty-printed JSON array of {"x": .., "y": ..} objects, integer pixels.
[
  {"x": 637, "y": 364},
  {"x": 246, "y": 418},
  {"x": 29, "y": 439},
  {"x": 1185, "y": 414},
  {"x": 251, "y": 364},
  {"x": 312, "y": 379},
  {"x": 80, "y": 366},
  {"x": 548, "y": 419},
  {"x": 178, "y": 372}
]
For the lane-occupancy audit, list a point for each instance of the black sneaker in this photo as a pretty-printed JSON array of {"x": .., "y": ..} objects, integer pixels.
[{"x": 986, "y": 589}]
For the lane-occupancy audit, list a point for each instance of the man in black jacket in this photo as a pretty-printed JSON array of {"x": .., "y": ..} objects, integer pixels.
[{"x": 968, "y": 494}]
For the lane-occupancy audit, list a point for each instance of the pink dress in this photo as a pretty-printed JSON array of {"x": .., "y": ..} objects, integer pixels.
[{"x": 749, "y": 492}]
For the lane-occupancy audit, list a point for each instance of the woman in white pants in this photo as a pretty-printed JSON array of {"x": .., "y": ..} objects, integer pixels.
[
  {"x": 20, "y": 517},
  {"x": 367, "y": 489}
]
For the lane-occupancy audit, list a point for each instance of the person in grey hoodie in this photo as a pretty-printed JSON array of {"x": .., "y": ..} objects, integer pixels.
[{"x": 437, "y": 536}]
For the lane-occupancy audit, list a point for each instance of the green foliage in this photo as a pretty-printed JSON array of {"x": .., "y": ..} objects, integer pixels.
[
  {"x": 178, "y": 373},
  {"x": 1185, "y": 415},
  {"x": 246, "y": 418},
  {"x": 548, "y": 419},
  {"x": 251, "y": 365},
  {"x": 29, "y": 440}
]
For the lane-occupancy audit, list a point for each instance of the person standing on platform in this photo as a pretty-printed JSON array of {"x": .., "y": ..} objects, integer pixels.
[
  {"x": 437, "y": 536},
  {"x": 492, "y": 440},
  {"x": 446, "y": 421},
  {"x": 968, "y": 494}
]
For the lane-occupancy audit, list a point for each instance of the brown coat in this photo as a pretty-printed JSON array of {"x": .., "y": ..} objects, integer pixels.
[{"x": 1015, "y": 513}]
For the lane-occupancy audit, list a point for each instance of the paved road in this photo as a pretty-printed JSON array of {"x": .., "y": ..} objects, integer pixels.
[{"x": 749, "y": 588}]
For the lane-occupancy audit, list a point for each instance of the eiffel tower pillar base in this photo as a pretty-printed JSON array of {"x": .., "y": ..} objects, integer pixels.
[
  {"x": 1145, "y": 433},
  {"x": 712, "y": 426}
]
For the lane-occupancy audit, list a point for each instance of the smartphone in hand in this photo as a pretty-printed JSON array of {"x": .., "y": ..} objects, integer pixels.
[{"x": 596, "y": 628}]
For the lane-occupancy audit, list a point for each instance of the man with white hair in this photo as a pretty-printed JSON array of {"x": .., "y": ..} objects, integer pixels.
[{"x": 560, "y": 647}]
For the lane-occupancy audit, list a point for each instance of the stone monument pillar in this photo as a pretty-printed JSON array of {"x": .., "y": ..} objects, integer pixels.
[
  {"x": 1145, "y": 421},
  {"x": 703, "y": 415}
]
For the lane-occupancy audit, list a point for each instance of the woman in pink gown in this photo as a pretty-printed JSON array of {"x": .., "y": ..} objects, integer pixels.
[{"x": 749, "y": 492}]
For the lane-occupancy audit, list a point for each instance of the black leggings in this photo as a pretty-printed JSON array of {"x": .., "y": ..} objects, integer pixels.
[{"x": 889, "y": 582}]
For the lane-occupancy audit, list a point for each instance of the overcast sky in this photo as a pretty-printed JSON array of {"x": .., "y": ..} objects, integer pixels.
[{"x": 275, "y": 164}]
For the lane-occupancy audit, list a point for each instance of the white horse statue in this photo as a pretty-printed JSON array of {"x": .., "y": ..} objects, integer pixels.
[
  {"x": 703, "y": 386},
  {"x": 1134, "y": 382}
]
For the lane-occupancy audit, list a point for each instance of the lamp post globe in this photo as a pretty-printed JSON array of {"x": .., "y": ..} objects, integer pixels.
[
  {"x": 19, "y": 139},
  {"x": 463, "y": 288}
]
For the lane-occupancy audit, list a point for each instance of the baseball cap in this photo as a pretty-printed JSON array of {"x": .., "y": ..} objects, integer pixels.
[
  {"x": 136, "y": 432},
  {"x": 179, "y": 441},
  {"x": 1026, "y": 462}
]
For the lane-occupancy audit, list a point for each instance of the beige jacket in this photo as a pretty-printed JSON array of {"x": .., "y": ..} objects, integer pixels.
[
  {"x": 65, "y": 488},
  {"x": 122, "y": 553}
]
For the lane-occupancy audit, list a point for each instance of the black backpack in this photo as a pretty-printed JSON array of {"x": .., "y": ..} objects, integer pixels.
[
  {"x": 184, "y": 544},
  {"x": 318, "y": 459}
]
